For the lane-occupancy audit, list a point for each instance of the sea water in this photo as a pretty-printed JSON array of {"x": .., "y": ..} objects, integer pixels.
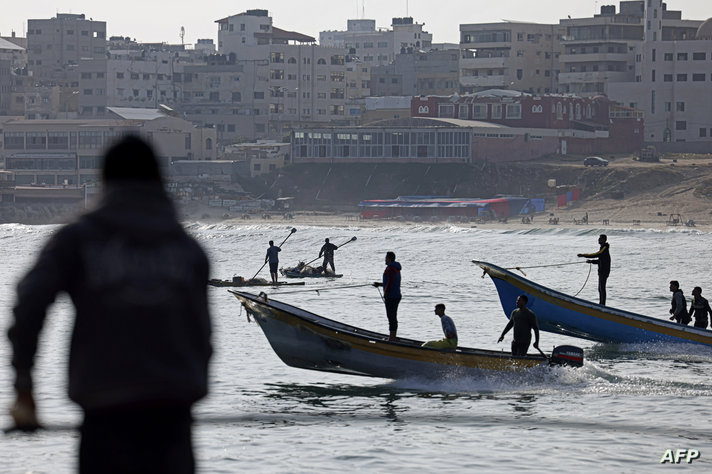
[{"x": 621, "y": 412}]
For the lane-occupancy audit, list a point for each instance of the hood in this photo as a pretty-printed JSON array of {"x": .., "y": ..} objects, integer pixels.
[
  {"x": 395, "y": 265},
  {"x": 140, "y": 211}
]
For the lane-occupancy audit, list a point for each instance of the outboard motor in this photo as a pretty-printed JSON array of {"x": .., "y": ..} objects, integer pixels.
[{"x": 567, "y": 355}]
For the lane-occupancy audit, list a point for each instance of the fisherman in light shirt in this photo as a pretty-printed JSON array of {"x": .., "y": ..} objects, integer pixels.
[{"x": 450, "y": 341}]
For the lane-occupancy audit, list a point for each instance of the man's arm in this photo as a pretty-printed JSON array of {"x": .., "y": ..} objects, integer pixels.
[
  {"x": 35, "y": 293},
  {"x": 506, "y": 330}
]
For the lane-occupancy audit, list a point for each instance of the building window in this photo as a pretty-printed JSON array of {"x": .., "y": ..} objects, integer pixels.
[
  {"x": 668, "y": 106},
  {"x": 667, "y": 57},
  {"x": 682, "y": 78},
  {"x": 699, "y": 56},
  {"x": 682, "y": 56},
  {"x": 681, "y": 125},
  {"x": 703, "y": 132},
  {"x": 667, "y": 77},
  {"x": 698, "y": 77},
  {"x": 514, "y": 111},
  {"x": 496, "y": 111},
  {"x": 680, "y": 106}
]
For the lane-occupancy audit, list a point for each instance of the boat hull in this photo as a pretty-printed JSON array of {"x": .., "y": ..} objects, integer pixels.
[
  {"x": 562, "y": 314},
  {"x": 308, "y": 341}
]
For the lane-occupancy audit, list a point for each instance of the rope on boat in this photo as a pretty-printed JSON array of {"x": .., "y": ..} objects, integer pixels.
[
  {"x": 326, "y": 288},
  {"x": 590, "y": 265}
]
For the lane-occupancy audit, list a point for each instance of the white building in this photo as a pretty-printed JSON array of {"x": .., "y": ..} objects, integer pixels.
[{"x": 379, "y": 46}]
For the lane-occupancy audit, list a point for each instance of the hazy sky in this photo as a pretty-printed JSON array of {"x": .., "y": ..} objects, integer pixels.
[{"x": 160, "y": 21}]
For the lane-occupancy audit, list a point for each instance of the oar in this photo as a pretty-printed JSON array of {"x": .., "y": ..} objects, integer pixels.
[
  {"x": 338, "y": 246},
  {"x": 280, "y": 246}
]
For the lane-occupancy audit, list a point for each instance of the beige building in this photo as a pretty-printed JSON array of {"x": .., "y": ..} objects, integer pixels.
[
  {"x": 672, "y": 81},
  {"x": 56, "y": 45},
  {"x": 12, "y": 57},
  {"x": 58, "y": 152},
  {"x": 304, "y": 82},
  {"x": 509, "y": 55}
]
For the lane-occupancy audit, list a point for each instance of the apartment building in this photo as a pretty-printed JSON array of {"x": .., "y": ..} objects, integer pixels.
[
  {"x": 509, "y": 55},
  {"x": 56, "y": 45},
  {"x": 418, "y": 73},
  {"x": 11, "y": 55},
  {"x": 672, "y": 81},
  {"x": 379, "y": 46},
  {"x": 304, "y": 82},
  {"x": 57, "y": 152}
]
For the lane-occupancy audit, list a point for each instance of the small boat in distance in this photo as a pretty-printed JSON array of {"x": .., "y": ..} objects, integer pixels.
[
  {"x": 563, "y": 314},
  {"x": 240, "y": 282},
  {"x": 298, "y": 274},
  {"x": 308, "y": 341}
]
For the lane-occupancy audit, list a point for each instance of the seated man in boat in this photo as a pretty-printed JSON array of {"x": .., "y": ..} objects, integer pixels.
[
  {"x": 450, "y": 341},
  {"x": 678, "y": 304},
  {"x": 523, "y": 320},
  {"x": 699, "y": 308}
]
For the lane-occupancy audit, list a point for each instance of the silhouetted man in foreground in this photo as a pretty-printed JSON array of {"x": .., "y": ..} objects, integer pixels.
[{"x": 141, "y": 338}]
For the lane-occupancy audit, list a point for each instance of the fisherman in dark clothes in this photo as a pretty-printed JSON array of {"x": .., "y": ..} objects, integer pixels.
[
  {"x": 603, "y": 260},
  {"x": 328, "y": 251},
  {"x": 523, "y": 320},
  {"x": 272, "y": 257},
  {"x": 391, "y": 292},
  {"x": 699, "y": 308},
  {"x": 678, "y": 304}
]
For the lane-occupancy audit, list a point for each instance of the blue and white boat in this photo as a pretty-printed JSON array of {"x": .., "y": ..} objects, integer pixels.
[{"x": 563, "y": 314}]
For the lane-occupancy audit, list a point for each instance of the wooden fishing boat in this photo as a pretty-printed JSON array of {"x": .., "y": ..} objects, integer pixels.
[
  {"x": 297, "y": 274},
  {"x": 563, "y": 314},
  {"x": 247, "y": 283},
  {"x": 308, "y": 341}
]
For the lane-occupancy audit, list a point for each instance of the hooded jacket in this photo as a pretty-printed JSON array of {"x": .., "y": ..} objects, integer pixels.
[
  {"x": 392, "y": 280},
  {"x": 138, "y": 283}
]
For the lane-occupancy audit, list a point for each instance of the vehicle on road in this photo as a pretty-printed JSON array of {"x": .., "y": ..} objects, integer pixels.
[{"x": 595, "y": 161}]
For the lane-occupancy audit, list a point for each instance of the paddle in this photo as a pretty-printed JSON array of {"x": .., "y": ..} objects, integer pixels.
[
  {"x": 280, "y": 246},
  {"x": 338, "y": 246}
]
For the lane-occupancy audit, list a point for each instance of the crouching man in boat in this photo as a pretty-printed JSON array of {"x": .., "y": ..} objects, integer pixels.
[
  {"x": 450, "y": 341},
  {"x": 678, "y": 304},
  {"x": 523, "y": 320}
]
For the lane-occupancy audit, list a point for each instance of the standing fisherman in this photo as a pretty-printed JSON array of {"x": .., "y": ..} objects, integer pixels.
[
  {"x": 328, "y": 251},
  {"x": 603, "y": 260},
  {"x": 391, "y": 292},
  {"x": 273, "y": 258}
]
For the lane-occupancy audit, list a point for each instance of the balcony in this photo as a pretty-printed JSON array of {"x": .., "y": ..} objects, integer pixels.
[
  {"x": 594, "y": 76},
  {"x": 482, "y": 63},
  {"x": 595, "y": 58},
  {"x": 483, "y": 81}
]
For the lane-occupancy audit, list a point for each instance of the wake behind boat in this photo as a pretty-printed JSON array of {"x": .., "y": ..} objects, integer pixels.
[
  {"x": 308, "y": 341},
  {"x": 563, "y": 314}
]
